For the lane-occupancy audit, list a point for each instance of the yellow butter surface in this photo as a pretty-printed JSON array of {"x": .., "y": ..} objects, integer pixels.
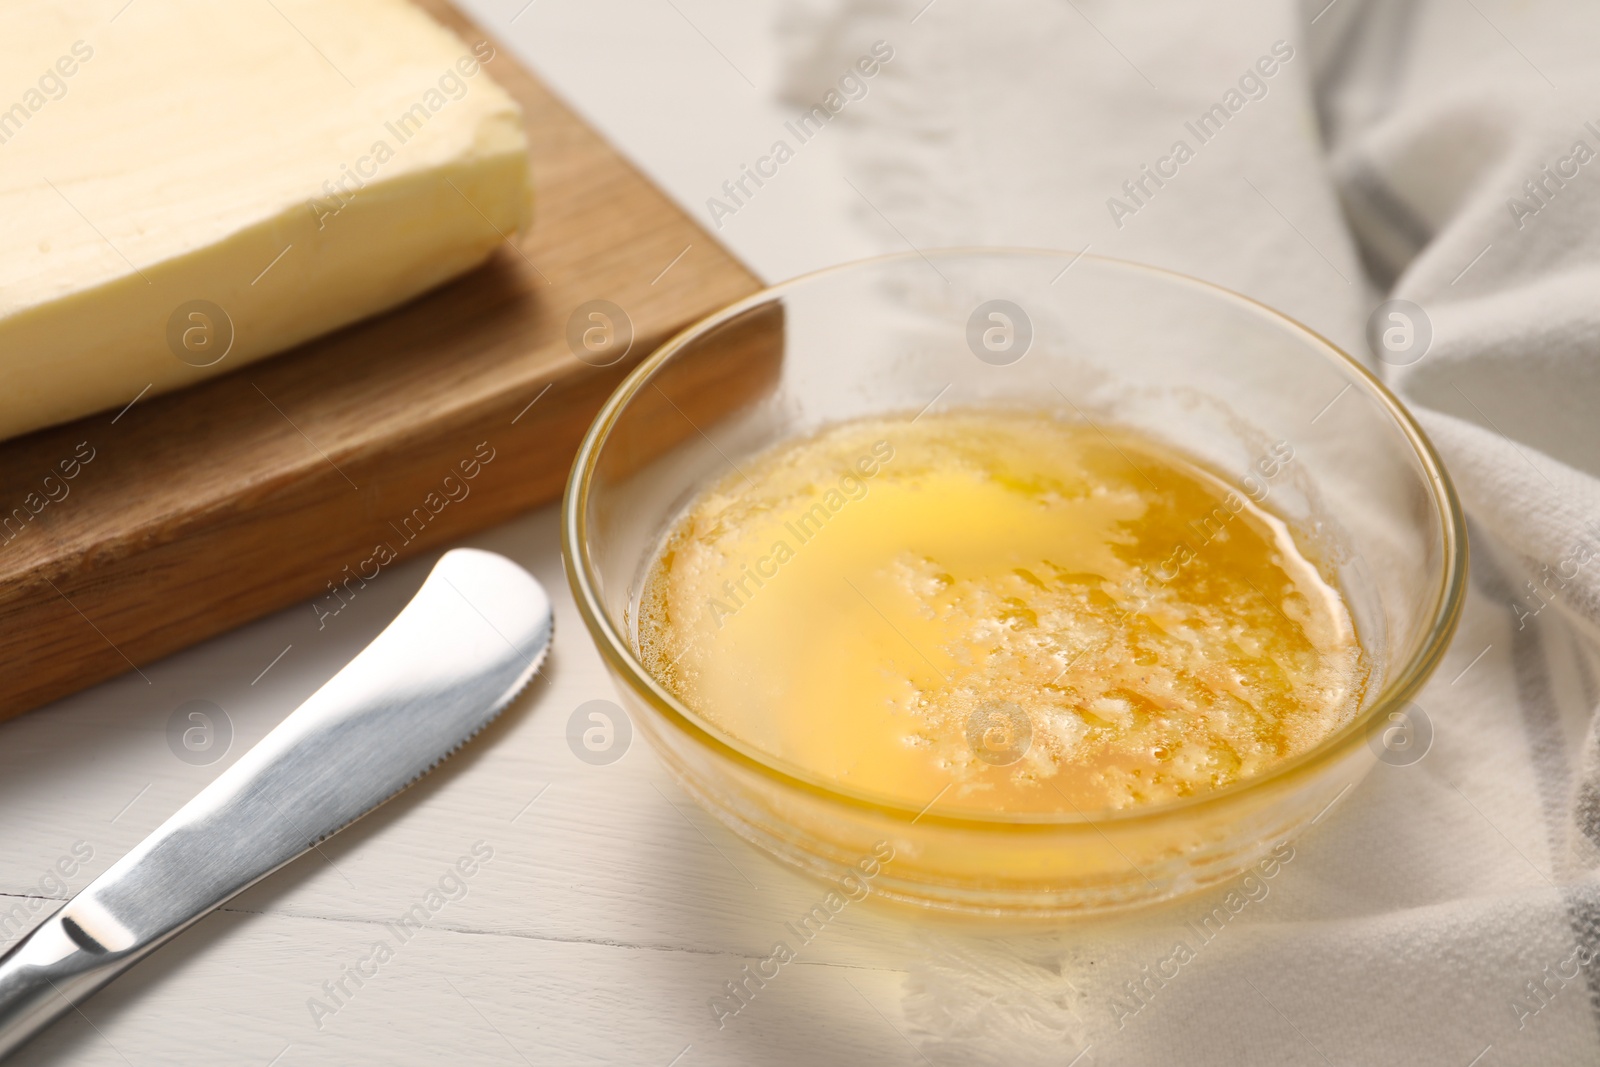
[
  {"x": 1026, "y": 614},
  {"x": 186, "y": 185}
]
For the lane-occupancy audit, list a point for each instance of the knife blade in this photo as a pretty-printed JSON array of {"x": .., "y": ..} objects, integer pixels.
[{"x": 455, "y": 656}]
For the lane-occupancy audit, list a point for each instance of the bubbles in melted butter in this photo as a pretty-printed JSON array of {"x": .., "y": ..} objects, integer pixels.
[{"x": 879, "y": 604}]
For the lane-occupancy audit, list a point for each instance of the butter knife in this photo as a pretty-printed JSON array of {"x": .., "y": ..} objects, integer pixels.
[{"x": 458, "y": 653}]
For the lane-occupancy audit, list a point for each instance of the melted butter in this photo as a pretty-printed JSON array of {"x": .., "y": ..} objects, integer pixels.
[{"x": 1020, "y": 614}]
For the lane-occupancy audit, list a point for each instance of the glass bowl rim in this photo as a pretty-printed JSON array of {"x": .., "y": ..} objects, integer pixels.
[{"x": 1397, "y": 691}]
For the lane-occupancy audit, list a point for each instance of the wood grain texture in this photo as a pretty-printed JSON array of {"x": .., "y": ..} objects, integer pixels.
[{"x": 214, "y": 505}]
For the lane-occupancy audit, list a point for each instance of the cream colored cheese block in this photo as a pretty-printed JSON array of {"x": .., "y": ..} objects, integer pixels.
[{"x": 188, "y": 185}]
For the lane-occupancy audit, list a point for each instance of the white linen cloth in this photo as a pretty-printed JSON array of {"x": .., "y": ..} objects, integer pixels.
[{"x": 1448, "y": 912}]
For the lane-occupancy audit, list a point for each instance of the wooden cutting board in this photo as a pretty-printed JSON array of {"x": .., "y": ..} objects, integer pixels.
[{"x": 191, "y": 513}]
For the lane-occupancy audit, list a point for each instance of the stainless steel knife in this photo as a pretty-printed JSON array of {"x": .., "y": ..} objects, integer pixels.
[{"x": 467, "y": 643}]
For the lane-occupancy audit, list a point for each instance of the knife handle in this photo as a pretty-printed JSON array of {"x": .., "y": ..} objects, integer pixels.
[{"x": 54, "y": 967}]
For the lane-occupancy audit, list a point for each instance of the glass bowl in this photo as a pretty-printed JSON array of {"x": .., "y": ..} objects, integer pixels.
[{"x": 1221, "y": 377}]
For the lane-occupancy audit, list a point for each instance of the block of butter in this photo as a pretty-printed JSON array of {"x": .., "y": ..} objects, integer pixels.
[{"x": 186, "y": 185}]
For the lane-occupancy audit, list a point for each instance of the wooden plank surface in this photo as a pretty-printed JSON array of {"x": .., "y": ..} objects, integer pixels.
[{"x": 191, "y": 513}]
